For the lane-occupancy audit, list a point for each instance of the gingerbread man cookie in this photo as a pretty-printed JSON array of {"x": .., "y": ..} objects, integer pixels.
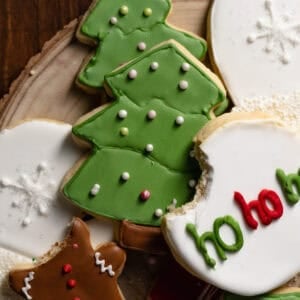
[
  {"x": 241, "y": 231},
  {"x": 123, "y": 30},
  {"x": 73, "y": 270},
  {"x": 164, "y": 96},
  {"x": 256, "y": 49}
]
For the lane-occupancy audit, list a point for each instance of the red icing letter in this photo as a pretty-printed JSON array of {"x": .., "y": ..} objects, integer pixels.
[{"x": 265, "y": 214}]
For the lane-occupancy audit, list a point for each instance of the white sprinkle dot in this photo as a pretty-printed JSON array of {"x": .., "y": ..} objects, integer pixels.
[
  {"x": 192, "y": 153},
  {"x": 192, "y": 183},
  {"x": 260, "y": 24},
  {"x": 286, "y": 59},
  {"x": 154, "y": 66},
  {"x": 185, "y": 67},
  {"x": 132, "y": 74},
  {"x": 122, "y": 114},
  {"x": 183, "y": 85},
  {"x": 251, "y": 38},
  {"x": 113, "y": 20},
  {"x": 149, "y": 148},
  {"x": 32, "y": 72},
  {"x": 158, "y": 213},
  {"x": 125, "y": 176},
  {"x": 95, "y": 189},
  {"x": 179, "y": 120},
  {"x": 26, "y": 221},
  {"x": 142, "y": 46},
  {"x": 151, "y": 114},
  {"x": 172, "y": 206},
  {"x": 5, "y": 182},
  {"x": 43, "y": 210}
]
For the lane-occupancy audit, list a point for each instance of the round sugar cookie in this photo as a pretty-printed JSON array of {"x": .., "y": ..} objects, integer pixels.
[
  {"x": 241, "y": 231},
  {"x": 34, "y": 157},
  {"x": 256, "y": 48}
]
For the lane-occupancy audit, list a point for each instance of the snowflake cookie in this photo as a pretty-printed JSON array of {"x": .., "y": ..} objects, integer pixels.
[
  {"x": 73, "y": 270},
  {"x": 241, "y": 232},
  {"x": 256, "y": 47},
  {"x": 34, "y": 158},
  {"x": 123, "y": 30}
]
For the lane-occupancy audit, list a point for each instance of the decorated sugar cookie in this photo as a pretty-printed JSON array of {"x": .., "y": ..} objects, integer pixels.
[
  {"x": 281, "y": 294},
  {"x": 123, "y": 30},
  {"x": 141, "y": 164},
  {"x": 256, "y": 48},
  {"x": 35, "y": 156},
  {"x": 73, "y": 270},
  {"x": 241, "y": 231}
]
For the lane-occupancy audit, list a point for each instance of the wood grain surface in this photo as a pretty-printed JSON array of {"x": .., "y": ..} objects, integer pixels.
[
  {"x": 25, "y": 25},
  {"x": 50, "y": 92}
]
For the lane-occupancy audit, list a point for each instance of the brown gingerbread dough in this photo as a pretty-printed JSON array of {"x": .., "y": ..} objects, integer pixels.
[{"x": 76, "y": 271}]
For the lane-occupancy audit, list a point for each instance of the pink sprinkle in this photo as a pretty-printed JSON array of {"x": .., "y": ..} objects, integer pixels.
[
  {"x": 75, "y": 246},
  {"x": 145, "y": 195}
]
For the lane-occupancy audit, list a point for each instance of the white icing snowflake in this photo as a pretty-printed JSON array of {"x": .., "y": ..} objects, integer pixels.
[
  {"x": 36, "y": 192},
  {"x": 280, "y": 32}
]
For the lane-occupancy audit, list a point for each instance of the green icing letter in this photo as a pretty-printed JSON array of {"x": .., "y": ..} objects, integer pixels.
[
  {"x": 215, "y": 238},
  {"x": 142, "y": 141},
  {"x": 124, "y": 36},
  {"x": 290, "y": 185},
  {"x": 234, "y": 225}
]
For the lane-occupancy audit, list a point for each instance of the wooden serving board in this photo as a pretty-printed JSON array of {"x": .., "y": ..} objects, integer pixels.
[{"x": 45, "y": 89}]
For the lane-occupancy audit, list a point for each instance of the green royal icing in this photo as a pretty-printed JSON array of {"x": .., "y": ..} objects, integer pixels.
[
  {"x": 143, "y": 22},
  {"x": 285, "y": 296},
  {"x": 290, "y": 185},
  {"x": 215, "y": 238},
  {"x": 168, "y": 169}
]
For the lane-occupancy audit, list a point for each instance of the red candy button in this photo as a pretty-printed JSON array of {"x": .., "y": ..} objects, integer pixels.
[
  {"x": 71, "y": 283},
  {"x": 67, "y": 268}
]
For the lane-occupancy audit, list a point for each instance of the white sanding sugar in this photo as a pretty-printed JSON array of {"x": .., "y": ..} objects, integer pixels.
[{"x": 286, "y": 108}]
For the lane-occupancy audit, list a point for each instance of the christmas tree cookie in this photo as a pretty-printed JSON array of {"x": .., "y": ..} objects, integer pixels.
[
  {"x": 141, "y": 164},
  {"x": 123, "y": 30},
  {"x": 73, "y": 270}
]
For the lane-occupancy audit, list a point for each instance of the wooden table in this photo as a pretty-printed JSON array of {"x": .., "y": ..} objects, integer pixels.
[{"x": 25, "y": 25}]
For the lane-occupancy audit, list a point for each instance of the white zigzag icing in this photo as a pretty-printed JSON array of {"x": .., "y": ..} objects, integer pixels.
[
  {"x": 27, "y": 286},
  {"x": 101, "y": 263}
]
